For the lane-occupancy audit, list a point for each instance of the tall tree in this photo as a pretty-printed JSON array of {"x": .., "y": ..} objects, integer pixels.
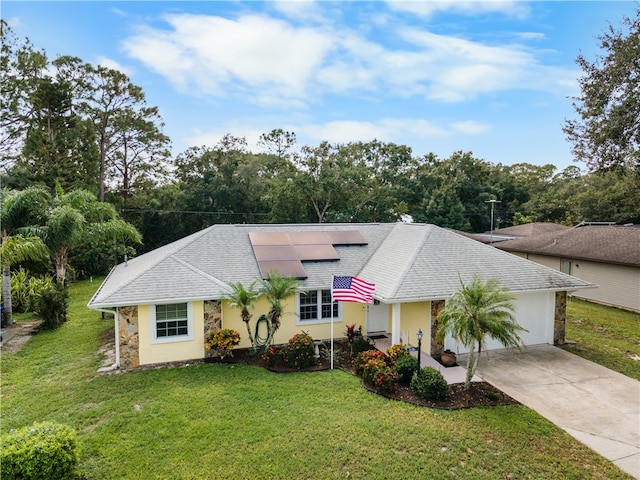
[
  {"x": 607, "y": 134},
  {"x": 59, "y": 146},
  {"x": 22, "y": 68},
  {"x": 480, "y": 309}
]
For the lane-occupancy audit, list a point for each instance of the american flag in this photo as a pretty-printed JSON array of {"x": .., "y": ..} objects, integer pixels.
[{"x": 352, "y": 289}]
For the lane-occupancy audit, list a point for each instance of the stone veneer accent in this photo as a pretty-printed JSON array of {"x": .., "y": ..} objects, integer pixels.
[
  {"x": 436, "y": 308},
  {"x": 129, "y": 338},
  {"x": 212, "y": 319},
  {"x": 560, "y": 319}
]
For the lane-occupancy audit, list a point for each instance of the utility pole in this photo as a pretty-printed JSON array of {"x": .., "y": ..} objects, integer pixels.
[{"x": 493, "y": 201}]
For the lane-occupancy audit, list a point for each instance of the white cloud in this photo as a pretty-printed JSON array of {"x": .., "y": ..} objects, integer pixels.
[
  {"x": 112, "y": 64},
  {"x": 275, "y": 63},
  {"x": 425, "y": 8},
  {"x": 470, "y": 127},
  {"x": 216, "y": 55}
]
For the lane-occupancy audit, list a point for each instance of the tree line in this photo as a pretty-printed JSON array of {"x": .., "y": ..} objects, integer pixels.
[{"x": 70, "y": 125}]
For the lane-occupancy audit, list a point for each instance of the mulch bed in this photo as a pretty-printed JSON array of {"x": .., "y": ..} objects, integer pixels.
[{"x": 480, "y": 394}]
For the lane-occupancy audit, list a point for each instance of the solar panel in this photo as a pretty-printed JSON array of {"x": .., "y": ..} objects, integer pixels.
[
  {"x": 309, "y": 238},
  {"x": 347, "y": 237},
  {"x": 286, "y": 268},
  {"x": 316, "y": 252},
  {"x": 284, "y": 252}
]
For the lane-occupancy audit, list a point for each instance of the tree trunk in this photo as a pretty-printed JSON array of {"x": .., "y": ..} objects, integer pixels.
[
  {"x": 7, "y": 313},
  {"x": 60, "y": 261},
  {"x": 470, "y": 366}
]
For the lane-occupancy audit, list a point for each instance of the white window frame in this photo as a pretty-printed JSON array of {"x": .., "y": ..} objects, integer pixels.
[
  {"x": 174, "y": 338},
  {"x": 316, "y": 320}
]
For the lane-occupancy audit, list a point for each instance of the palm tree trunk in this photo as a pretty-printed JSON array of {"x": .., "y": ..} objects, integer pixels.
[
  {"x": 274, "y": 319},
  {"x": 253, "y": 343},
  {"x": 471, "y": 362},
  {"x": 7, "y": 313}
]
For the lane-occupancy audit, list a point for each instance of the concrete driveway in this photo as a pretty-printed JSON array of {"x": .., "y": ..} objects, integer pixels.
[{"x": 597, "y": 406}]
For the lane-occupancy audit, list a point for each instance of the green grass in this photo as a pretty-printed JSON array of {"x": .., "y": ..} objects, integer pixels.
[
  {"x": 243, "y": 422},
  {"x": 605, "y": 335}
]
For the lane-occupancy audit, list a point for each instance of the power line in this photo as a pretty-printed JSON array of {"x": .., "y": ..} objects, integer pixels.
[{"x": 200, "y": 212}]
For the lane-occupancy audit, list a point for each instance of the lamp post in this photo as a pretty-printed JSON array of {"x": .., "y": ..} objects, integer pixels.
[
  {"x": 419, "y": 335},
  {"x": 493, "y": 201}
]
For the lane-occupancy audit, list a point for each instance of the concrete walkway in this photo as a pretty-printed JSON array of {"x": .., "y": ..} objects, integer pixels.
[{"x": 597, "y": 406}]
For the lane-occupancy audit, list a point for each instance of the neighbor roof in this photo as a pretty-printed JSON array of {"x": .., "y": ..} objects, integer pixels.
[
  {"x": 408, "y": 262},
  {"x": 615, "y": 244}
]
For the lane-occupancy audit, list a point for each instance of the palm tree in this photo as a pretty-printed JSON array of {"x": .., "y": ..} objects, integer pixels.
[
  {"x": 16, "y": 249},
  {"x": 243, "y": 299},
  {"x": 478, "y": 310},
  {"x": 277, "y": 288}
]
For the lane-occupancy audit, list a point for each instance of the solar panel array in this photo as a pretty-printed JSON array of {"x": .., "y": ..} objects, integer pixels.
[{"x": 284, "y": 252}]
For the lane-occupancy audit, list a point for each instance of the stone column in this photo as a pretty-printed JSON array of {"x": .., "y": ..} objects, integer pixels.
[
  {"x": 129, "y": 338},
  {"x": 560, "y": 319},
  {"x": 436, "y": 308}
]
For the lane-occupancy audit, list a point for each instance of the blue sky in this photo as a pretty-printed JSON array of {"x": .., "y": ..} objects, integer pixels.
[{"x": 488, "y": 77}]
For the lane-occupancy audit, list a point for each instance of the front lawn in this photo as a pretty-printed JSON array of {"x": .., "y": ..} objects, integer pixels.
[
  {"x": 605, "y": 335},
  {"x": 244, "y": 422}
]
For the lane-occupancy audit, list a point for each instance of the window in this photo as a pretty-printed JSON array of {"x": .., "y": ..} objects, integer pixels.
[
  {"x": 173, "y": 322},
  {"x": 316, "y": 306}
]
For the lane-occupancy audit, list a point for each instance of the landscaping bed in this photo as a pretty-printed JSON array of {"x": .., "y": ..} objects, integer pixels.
[{"x": 480, "y": 394}]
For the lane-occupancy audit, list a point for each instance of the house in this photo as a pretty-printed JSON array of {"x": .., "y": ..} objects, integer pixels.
[
  {"x": 167, "y": 300},
  {"x": 606, "y": 255}
]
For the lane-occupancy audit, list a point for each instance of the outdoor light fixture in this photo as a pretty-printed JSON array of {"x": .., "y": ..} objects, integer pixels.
[{"x": 419, "y": 335}]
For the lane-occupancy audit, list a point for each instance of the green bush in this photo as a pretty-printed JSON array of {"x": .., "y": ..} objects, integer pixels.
[
  {"x": 25, "y": 290},
  {"x": 300, "y": 351},
  {"x": 364, "y": 357},
  {"x": 51, "y": 306},
  {"x": 44, "y": 451},
  {"x": 361, "y": 344},
  {"x": 379, "y": 375},
  {"x": 430, "y": 384},
  {"x": 405, "y": 366},
  {"x": 397, "y": 350}
]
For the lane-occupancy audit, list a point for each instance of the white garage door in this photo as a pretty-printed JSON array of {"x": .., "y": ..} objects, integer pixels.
[{"x": 535, "y": 312}]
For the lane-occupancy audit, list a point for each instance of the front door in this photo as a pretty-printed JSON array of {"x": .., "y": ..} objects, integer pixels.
[{"x": 377, "y": 317}]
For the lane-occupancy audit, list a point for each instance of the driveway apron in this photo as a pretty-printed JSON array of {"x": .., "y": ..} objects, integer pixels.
[{"x": 597, "y": 406}]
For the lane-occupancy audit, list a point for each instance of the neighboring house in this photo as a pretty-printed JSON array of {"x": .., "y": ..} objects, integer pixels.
[
  {"x": 605, "y": 255},
  {"x": 167, "y": 300},
  {"x": 525, "y": 230}
]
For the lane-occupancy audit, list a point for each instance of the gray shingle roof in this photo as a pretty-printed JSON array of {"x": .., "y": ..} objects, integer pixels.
[
  {"x": 408, "y": 262},
  {"x": 615, "y": 244}
]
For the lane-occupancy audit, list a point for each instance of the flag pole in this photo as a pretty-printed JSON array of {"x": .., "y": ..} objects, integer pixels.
[{"x": 332, "y": 278}]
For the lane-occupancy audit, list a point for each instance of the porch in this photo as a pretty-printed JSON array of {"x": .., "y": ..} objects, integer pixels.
[{"x": 455, "y": 374}]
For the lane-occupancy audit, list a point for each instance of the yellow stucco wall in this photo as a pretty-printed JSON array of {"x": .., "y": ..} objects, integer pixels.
[
  {"x": 290, "y": 323},
  {"x": 415, "y": 316},
  {"x": 170, "y": 351}
]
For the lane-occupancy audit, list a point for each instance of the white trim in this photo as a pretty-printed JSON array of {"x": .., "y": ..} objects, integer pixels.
[
  {"x": 316, "y": 321},
  {"x": 172, "y": 339}
]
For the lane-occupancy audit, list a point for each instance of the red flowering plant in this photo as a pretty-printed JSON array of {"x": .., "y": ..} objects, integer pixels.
[
  {"x": 364, "y": 357},
  {"x": 272, "y": 355},
  {"x": 379, "y": 375},
  {"x": 222, "y": 341},
  {"x": 300, "y": 351}
]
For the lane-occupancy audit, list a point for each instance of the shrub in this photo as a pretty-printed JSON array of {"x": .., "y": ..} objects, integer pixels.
[
  {"x": 51, "y": 306},
  {"x": 45, "y": 450},
  {"x": 405, "y": 366},
  {"x": 361, "y": 344},
  {"x": 430, "y": 384},
  {"x": 300, "y": 351},
  {"x": 379, "y": 375},
  {"x": 364, "y": 357},
  {"x": 222, "y": 341},
  {"x": 395, "y": 351},
  {"x": 272, "y": 355}
]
